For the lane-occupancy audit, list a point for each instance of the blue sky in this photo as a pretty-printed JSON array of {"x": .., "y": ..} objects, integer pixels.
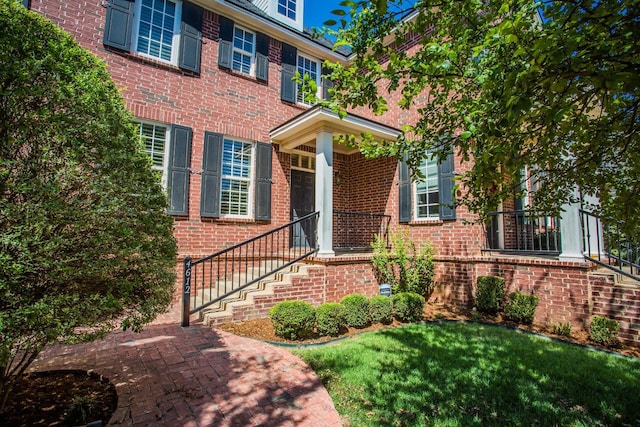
[{"x": 318, "y": 11}]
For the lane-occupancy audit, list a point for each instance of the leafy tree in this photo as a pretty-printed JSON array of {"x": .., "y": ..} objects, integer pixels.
[
  {"x": 85, "y": 243},
  {"x": 552, "y": 86}
]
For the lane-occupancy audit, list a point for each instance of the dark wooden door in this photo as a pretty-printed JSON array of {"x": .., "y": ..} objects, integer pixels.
[{"x": 303, "y": 200}]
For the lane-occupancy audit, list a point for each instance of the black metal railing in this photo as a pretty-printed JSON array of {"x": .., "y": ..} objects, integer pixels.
[
  {"x": 604, "y": 244},
  {"x": 522, "y": 231},
  {"x": 212, "y": 278},
  {"x": 355, "y": 231}
]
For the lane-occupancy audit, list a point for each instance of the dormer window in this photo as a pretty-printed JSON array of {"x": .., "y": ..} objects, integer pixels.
[{"x": 287, "y": 8}]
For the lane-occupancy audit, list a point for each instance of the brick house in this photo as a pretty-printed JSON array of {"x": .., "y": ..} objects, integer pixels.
[{"x": 241, "y": 154}]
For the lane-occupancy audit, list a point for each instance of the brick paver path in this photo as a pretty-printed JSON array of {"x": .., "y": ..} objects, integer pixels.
[{"x": 198, "y": 376}]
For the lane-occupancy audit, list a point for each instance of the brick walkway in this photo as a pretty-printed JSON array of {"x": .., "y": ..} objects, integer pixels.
[{"x": 198, "y": 376}]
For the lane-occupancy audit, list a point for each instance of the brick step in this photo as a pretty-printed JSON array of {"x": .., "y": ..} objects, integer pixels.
[
  {"x": 616, "y": 276},
  {"x": 241, "y": 305}
]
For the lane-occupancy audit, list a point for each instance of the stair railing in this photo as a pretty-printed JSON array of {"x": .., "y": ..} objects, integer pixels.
[
  {"x": 605, "y": 245},
  {"x": 212, "y": 278}
]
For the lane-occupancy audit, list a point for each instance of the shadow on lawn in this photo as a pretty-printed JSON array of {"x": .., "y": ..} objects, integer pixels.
[{"x": 468, "y": 373}]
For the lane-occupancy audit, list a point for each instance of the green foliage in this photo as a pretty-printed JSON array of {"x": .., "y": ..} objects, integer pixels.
[
  {"x": 293, "y": 320},
  {"x": 521, "y": 308},
  {"x": 381, "y": 309},
  {"x": 331, "y": 318},
  {"x": 489, "y": 294},
  {"x": 408, "y": 306},
  {"x": 505, "y": 89},
  {"x": 474, "y": 374},
  {"x": 357, "y": 310},
  {"x": 406, "y": 269},
  {"x": 79, "y": 410},
  {"x": 85, "y": 241},
  {"x": 561, "y": 328},
  {"x": 604, "y": 331}
]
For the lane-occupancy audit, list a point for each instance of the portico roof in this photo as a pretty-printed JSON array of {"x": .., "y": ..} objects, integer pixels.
[{"x": 303, "y": 128}]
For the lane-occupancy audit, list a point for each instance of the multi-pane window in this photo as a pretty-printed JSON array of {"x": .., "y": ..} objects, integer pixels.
[
  {"x": 157, "y": 26},
  {"x": 237, "y": 164},
  {"x": 287, "y": 8},
  {"x": 427, "y": 193},
  {"x": 156, "y": 145},
  {"x": 243, "y": 50},
  {"x": 310, "y": 67}
]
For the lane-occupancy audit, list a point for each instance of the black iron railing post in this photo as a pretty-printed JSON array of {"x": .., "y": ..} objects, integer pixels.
[{"x": 186, "y": 292}]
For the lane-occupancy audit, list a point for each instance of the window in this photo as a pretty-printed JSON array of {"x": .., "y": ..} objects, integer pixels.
[
  {"x": 287, "y": 8},
  {"x": 236, "y": 178},
  {"x": 243, "y": 49},
  {"x": 427, "y": 194},
  {"x": 431, "y": 197},
  {"x": 156, "y": 144},
  {"x": 158, "y": 29},
  {"x": 310, "y": 67},
  {"x": 165, "y": 30}
]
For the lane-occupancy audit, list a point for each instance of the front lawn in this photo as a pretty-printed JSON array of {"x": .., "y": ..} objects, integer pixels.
[{"x": 459, "y": 374}]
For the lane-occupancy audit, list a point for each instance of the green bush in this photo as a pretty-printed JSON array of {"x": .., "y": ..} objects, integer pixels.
[
  {"x": 521, "y": 308},
  {"x": 604, "y": 331},
  {"x": 489, "y": 294},
  {"x": 293, "y": 319},
  {"x": 356, "y": 310},
  {"x": 561, "y": 328},
  {"x": 407, "y": 268},
  {"x": 381, "y": 309},
  {"x": 331, "y": 318},
  {"x": 408, "y": 306}
]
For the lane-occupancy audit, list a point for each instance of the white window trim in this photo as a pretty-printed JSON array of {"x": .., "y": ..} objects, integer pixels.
[
  {"x": 167, "y": 144},
  {"x": 318, "y": 77},
  {"x": 414, "y": 195},
  {"x": 252, "y": 178},
  {"x": 252, "y": 61},
  {"x": 286, "y": 8},
  {"x": 175, "y": 42}
]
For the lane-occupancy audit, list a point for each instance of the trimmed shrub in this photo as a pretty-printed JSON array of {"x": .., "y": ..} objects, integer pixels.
[
  {"x": 521, "y": 307},
  {"x": 331, "y": 318},
  {"x": 381, "y": 309},
  {"x": 356, "y": 310},
  {"x": 408, "y": 306},
  {"x": 604, "y": 331},
  {"x": 489, "y": 294},
  {"x": 293, "y": 320}
]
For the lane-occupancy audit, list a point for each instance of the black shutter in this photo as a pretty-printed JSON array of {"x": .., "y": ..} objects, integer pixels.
[
  {"x": 190, "y": 37},
  {"x": 225, "y": 43},
  {"x": 287, "y": 85},
  {"x": 117, "y": 28},
  {"x": 179, "y": 163},
  {"x": 404, "y": 195},
  {"x": 263, "y": 181},
  {"x": 262, "y": 57},
  {"x": 211, "y": 171},
  {"x": 446, "y": 183},
  {"x": 26, "y": 3},
  {"x": 327, "y": 83}
]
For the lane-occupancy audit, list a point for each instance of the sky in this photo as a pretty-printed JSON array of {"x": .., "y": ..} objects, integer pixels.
[{"x": 318, "y": 11}]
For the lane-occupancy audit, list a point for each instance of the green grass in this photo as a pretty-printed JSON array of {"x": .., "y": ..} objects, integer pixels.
[{"x": 460, "y": 374}]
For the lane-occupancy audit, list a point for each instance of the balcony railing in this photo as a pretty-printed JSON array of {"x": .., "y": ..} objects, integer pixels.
[
  {"x": 607, "y": 246},
  {"x": 522, "y": 231},
  {"x": 355, "y": 231}
]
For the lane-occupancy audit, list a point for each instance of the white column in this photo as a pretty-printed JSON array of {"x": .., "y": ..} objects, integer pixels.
[
  {"x": 571, "y": 232},
  {"x": 324, "y": 192}
]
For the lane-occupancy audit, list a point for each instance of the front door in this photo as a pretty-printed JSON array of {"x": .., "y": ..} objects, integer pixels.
[{"x": 303, "y": 200}]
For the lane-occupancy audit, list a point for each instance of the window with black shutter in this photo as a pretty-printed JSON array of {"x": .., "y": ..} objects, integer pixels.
[{"x": 155, "y": 23}]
